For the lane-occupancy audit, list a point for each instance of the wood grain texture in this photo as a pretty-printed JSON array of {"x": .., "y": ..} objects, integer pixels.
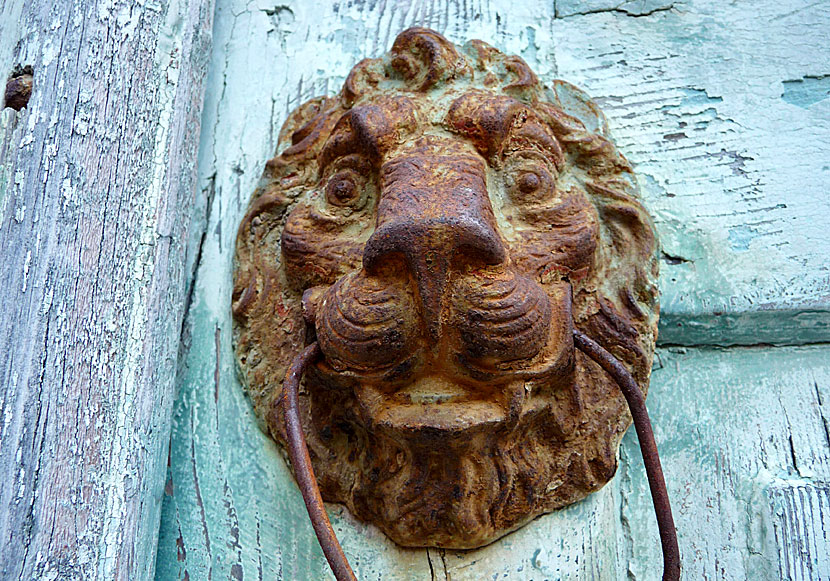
[
  {"x": 743, "y": 434},
  {"x": 96, "y": 192},
  {"x": 720, "y": 107},
  {"x": 699, "y": 99}
]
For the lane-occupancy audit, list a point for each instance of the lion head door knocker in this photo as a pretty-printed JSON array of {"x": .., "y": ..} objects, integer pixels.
[{"x": 453, "y": 259}]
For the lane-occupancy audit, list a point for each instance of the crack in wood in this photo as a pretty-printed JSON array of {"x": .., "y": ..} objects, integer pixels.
[{"x": 619, "y": 9}]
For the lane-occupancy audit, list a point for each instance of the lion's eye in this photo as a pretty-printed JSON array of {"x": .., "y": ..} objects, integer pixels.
[
  {"x": 344, "y": 189},
  {"x": 530, "y": 182}
]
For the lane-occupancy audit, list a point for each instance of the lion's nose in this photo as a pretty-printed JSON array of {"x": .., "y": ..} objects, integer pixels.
[
  {"x": 429, "y": 212},
  {"x": 429, "y": 247}
]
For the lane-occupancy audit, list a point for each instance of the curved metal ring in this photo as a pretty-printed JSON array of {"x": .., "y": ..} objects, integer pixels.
[
  {"x": 648, "y": 448},
  {"x": 301, "y": 462}
]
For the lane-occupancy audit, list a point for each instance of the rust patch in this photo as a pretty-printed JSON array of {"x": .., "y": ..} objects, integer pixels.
[{"x": 19, "y": 88}]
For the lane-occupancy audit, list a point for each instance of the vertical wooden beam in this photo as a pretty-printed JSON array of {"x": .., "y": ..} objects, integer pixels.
[{"x": 97, "y": 182}]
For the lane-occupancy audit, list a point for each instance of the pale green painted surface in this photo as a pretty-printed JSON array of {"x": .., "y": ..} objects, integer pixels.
[
  {"x": 743, "y": 438},
  {"x": 731, "y": 139}
]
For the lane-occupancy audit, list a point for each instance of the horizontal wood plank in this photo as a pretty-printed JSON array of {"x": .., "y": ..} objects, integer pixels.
[
  {"x": 743, "y": 438},
  {"x": 732, "y": 161},
  {"x": 704, "y": 100},
  {"x": 744, "y": 447}
]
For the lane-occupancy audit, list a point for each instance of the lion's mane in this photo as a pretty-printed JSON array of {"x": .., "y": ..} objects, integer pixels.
[{"x": 553, "y": 457}]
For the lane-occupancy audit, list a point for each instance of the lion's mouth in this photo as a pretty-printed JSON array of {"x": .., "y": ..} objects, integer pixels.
[
  {"x": 505, "y": 339},
  {"x": 431, "y": 411}
]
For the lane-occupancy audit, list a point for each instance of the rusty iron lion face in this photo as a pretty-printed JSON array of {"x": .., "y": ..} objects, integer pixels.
[{"x": 440, "y": 227}]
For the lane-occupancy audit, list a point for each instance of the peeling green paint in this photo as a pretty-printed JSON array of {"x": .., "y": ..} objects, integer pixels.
[
  {"x": 807, "y": 90},
  {"x": 742, "y": 431}
]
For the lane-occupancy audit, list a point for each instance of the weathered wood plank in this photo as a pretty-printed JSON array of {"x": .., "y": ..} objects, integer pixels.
[
  {"x": 802, "y": 522},
  {"x": 232, "y": 509},
  {"x": 734, "y": 169},
  {"x": 96, "y": 193},
  {"x": 743, "y": 436}
]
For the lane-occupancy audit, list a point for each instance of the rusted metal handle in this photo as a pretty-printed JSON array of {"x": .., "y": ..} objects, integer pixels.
[
  {"x": 301, "y": 462},
  {"x": 648, "y": 448}
]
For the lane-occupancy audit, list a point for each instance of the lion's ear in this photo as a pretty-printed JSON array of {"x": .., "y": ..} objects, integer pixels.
[
  {"x": 576, "y": 103},
  {"x": 621, "y": 309}
]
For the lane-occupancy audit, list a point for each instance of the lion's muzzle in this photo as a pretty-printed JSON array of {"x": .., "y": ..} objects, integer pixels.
[
  {"x": 434, "y": 206},
  {"x": 438, "y": 314}
]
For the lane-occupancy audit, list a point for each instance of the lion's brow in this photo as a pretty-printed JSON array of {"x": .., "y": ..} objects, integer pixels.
[
  {"x": 483, "y": 117},
  {"x": 369, "y": 129},
  {"x": 490, "y": 121}
]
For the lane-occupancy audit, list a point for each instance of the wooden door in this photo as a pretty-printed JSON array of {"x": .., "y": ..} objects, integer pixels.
[{"x": 722, "y": 108}]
